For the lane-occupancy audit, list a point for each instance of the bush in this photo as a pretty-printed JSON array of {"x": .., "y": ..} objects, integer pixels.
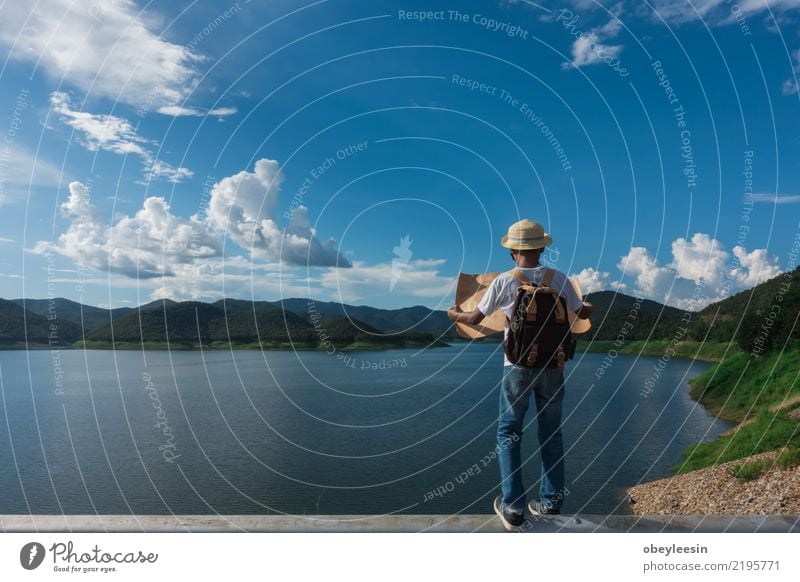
[
  {"x": 770, "y": 431},
  {"x": 789, "y": 459},
  {"x": 750, "y": 470}
]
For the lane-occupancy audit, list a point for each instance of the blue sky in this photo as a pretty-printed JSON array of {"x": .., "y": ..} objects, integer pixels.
[{"x": 268, "y": 149}]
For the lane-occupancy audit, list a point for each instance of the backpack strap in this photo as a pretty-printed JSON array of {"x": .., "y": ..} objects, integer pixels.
[
  {"x": 520, "y": 276},
  {"x": 548, "y": 277}
]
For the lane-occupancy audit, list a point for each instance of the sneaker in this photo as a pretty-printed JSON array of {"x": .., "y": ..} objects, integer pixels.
[
  {"x": 511, "y": 519},
  {"x": 536, "y": 507}
]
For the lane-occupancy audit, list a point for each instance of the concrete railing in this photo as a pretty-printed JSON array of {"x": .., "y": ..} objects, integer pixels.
[{"x": 395, "y": 523}]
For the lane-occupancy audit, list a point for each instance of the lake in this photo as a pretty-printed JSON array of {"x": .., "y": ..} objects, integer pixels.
[{"x": 246, "y": 432}]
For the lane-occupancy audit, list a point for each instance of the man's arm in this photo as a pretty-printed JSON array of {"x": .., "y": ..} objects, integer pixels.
[
  {"x": 582, "y": 309},
  {"x": 488, "y": 303},
  {"x": 473, "y": 317}
]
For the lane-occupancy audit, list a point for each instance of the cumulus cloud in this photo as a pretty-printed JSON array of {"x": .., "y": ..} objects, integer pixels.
[
  {"x": 110, "y": 48},
  {"x": 152, "y": 243},
  {"x": 182, "y": 258},
  {"x": 701, "y": 272},
  {"x": 420, "y": 278},
  {"x": 592, "y": 280},
  {"x": 229, "y": 276},
  {"x": 701, "y": 257},
  {"x": 115, "y": 134},
  {"x": 754, "y": 267},
  {"x": 242, "y": 208}
]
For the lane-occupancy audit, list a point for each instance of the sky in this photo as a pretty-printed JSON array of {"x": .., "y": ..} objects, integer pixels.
[{"x": 368, "y": 152}]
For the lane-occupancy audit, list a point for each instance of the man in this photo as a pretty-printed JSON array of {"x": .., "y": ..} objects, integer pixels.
[{"x": 527, "y": 240}]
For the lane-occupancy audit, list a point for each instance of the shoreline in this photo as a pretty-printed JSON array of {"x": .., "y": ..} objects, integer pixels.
[
  {"x": 704, "y": 351},
  {"x": 180, "y": 347}
]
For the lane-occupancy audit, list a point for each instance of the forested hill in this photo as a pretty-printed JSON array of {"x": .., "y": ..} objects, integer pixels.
[{"x": 767, "y": 313}]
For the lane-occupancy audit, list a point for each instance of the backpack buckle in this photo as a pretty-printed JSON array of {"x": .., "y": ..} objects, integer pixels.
[{"x": 533, "y": 354}]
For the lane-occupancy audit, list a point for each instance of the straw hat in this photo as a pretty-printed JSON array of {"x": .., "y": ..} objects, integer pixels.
[{"x": 526, "y": 235}]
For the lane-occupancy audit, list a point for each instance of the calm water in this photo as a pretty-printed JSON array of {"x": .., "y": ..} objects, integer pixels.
[{"x": 245, "y": 432}]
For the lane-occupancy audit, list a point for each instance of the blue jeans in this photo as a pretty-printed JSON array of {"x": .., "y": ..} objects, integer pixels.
[{"x": 547, "y": 385}]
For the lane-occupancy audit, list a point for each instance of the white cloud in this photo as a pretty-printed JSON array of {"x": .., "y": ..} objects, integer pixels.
[
  {"x": 100, "y": 132},
  {"x": 755, "y": 267},
  {"x": 180, "y": 111},
  {"x": 717, "y": 12},
  {"x": 790, "y": 86},
  {"x": 242, "y": 208},
  {"x": 117, "y": 135},
  {"x": 775, "y": 198},
  {"x": 420, "y": 278},
  {"x": 152, "y": 243},
  {"x": 109, "y": 49},
  {"x": 182, "y": 258},
  {"x": 701, "y": 272},
  {"x": 6, "y": 240},
  {"x": 158, "y": 170},
  {"x": 230, "y": 276},
  {"x": 590, "y": 48},
  {"x": 592, "y": 280},
  {"x": 702, "y": 257}
]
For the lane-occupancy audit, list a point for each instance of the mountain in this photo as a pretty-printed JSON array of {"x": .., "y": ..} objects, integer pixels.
[
  {"x": 743, "y": 316},
  {"x": 411, "y": 319},
  {"x": 309, "y": 322},
  {"x": 769, "y": 311},
  {"x": 616, "y": 312},
  {"x": 84, "y": 316},
  {"x": 191, "y": 323},
  {"x": 18, "y": 326}
]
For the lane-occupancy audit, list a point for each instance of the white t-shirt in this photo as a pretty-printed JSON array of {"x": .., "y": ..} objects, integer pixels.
[{"x": 503, "y": 291}]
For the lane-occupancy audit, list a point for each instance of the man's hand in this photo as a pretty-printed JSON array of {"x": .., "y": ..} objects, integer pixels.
[
  {"x": 473, "y": 317},
  {"x": 453, "y": 312}
]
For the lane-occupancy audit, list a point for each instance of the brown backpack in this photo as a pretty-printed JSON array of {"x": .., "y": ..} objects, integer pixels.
[{"x": 539, "y": 333}]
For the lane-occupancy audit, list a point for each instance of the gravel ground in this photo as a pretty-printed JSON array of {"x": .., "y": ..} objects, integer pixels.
[{"x": 714, "y": 491}]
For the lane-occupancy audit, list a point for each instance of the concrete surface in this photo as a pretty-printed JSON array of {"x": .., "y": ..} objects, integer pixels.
[{"x": 394, "y": 523}]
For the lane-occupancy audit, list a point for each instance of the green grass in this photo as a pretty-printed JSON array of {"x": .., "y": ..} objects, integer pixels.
[
  {"x": 770, "y": 431},
  {"x": 742, "y": 384},
  {"x": 25, "y": 346},
  {"x": 751, "y": 470},
  {"x": 104, "y": 345},
  {"x": 710, "y": 351},
  {"x": 789, "y": 458}
]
